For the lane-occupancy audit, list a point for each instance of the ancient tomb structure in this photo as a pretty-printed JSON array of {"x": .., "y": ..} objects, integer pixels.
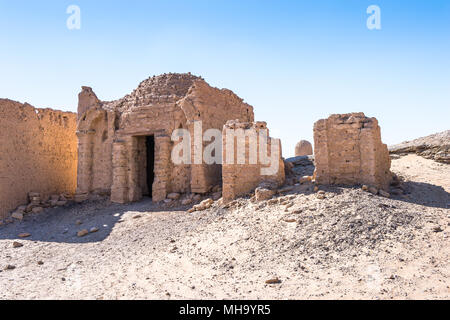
[
  {"x": 38, "y": 153},
  {"x": 348, "y": 150},
  {"x": 303, "y": 148},
  {"x": 125, "y": 146},
  {"x": 244, "y": 163}
]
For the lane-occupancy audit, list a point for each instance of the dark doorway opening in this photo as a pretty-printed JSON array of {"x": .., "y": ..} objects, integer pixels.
[{"x": 150, "y": 147}]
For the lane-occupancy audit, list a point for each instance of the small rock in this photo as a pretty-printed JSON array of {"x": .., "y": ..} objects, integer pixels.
[
  {"x": 290, "y": 220},
  {"x": 186, "y": 202},
  {"x": 137, "y": 216},
  {"x": 320, "y": 196},
  {"x": 61, "y": 203},
  {"x": 273, "y": 281},
  {"x": 173, "y": 196},
  {"x": 263, "y": 194},
  {"x": 9, "y": 267},
  {"x": 82, "y": 233},
  {"x": 316, "y": 188},
  {"x": 24, "y": 235},
  {"x": 78, "y": 222},
  {"x": 167, "y": 201},
  {"x": 93, "y": 229},
  {"x": 17, "y": 244},
  {"x": 384, "y": 193},
  {"x": 305, "y": 179},
  {"x": 437, "y": 229},
  {"x": 365, "y": 188},
  {"x": 191, "y": 210},
  {"x": 373, "y": 190},
  {"x": 40, "y": 262},
  {"x": 17, "y": 215},
  {"x": 37, "y": 210}
]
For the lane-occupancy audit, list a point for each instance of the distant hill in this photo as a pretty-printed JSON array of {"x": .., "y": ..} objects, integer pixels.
[{"x": 435, "y": 146}]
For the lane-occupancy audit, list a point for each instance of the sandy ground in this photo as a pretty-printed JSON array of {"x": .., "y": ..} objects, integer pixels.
[{"x": 350, "y": 245}]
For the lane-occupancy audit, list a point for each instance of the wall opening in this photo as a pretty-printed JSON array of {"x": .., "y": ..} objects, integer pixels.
[{"x": 150, "y": 147}]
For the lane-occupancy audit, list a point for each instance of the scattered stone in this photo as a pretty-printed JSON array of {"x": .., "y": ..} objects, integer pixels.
[
  {"x": 40, "y": 262},
  {"x": 365, "y": 188},
  {"x": 93, "y": 230},
  {"x": 384, "y": 193},
  {"x": 191, "y": 210},
  {"x": 305, "y": 179},
  {"x": 78, "y": 222},
  {"x": 167, "y": 201},
  {"x": 9, "y": 267},
  {"x": 37, "y": 210},
  {"x": 186, "y": 202},
  {"x": 273, "y": 281},
  {"x": 373, "y": 190},
  {"x": 290, "y": 220},
  {"x": 137, "y": 216},
  {"x": 173, "y": 196},
  {"x": 82, "y": 233},
  {"x": 437, "y": 229},
  {"x": 262, "y": 194},
  {"x": 17, "y": 244},
  {"x": 25, "y": 235},
  {"x": 17, "y": 215}
]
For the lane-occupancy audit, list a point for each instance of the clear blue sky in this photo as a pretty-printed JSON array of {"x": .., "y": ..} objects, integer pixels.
[{"x": 294, "y": 61}]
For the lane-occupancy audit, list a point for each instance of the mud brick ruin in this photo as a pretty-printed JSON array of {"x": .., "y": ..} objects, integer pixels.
[
  {"x": 123, "y": 148},
  {"x": 242, "y": 177},
  {"x": 38, "y": 152},
  {"x": 125, "y": 145},
  {"x": 348, "y": 150}
]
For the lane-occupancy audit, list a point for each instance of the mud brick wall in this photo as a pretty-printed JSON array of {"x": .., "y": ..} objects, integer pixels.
[
  {"x": 242, "y": 178},
  {"x": 348, "y": 150},
  {"x": 38, "y": 152}
]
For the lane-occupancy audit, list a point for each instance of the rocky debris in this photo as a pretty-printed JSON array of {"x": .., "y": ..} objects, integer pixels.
[
  {"x": 93, "y": 230},
  {"x": 17, "y": 244},
  {"x": 186, "y": 202},
  {"x": 303, "y": 148},
  {"x": 205, "y": 204},
  {"x": 262, "y": 194},
  {"x": 273, "y": 281},
  {"x": 435, "y": 147},
  {"x": 173, "y": 196},
  {"x": 82, "y": 233},
  {"x": 24, "y": 235},
  {"x": 305, "y": 179},
  {"x": 36, "y": 204},
  {"x": 40, "y": 262},
  {"x": 9, "y": 267},
  {"x": 384, "y": 193},
  {"x": 37, "y": 210},
  {"x": 17, "y": 215},
  {"x": 301, "y": 160}
]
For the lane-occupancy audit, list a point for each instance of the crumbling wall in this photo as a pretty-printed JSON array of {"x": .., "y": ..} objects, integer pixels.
[
  {"x": 38, "y": 153},
  {"x": 348, "y": 150},
  {"x": 241, "y": 177},
  {"x": 210, "y": 108}
]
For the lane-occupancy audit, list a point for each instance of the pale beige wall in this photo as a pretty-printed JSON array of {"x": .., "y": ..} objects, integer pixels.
[{"x": 38, "y": 152}]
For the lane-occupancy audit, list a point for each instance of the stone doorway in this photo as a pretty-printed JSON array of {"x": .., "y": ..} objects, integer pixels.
[{"x": 150, "y": 163}]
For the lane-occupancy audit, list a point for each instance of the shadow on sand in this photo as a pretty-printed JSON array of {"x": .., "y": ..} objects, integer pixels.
[{"x": 62, "y": 224}]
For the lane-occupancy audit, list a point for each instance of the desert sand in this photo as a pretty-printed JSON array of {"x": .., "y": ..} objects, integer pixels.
[{"x": 349, "y": 245}]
